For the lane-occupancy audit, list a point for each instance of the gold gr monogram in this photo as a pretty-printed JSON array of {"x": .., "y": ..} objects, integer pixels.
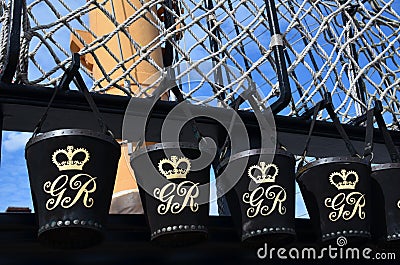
[
  {"x": 354, "y": 200},
  {"x": 82, "y": 183},
  {"x": 256, "y": 199},
  {"x": 58, "y": 187},
  {"x": 186, "y": 190},
  {"x": 345, "y": 206}
]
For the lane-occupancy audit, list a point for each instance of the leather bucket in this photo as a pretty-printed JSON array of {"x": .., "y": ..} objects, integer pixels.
[
  {"x": 72, "y": 174},
  {"x": 170, "y": 188},
  {"x": 262, "y": 202},
  {"x": 336, "y": 190},
  {"x": 385, "y": 190},
  {"x": 336, "y": 193}
]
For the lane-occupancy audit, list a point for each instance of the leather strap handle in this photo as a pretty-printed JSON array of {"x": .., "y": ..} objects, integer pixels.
[
  {"x": 329, "y": 107},
  {"x": 72, "y": 74}
]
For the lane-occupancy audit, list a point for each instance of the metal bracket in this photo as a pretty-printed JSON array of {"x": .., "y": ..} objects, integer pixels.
[
  {"x": 285, "y": 94},
  {"x": 13, "y": 43}
]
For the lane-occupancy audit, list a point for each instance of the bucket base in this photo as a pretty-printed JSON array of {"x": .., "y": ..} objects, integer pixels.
[
  {"x": 70, "y": 237},
  {"x": 354, "y": 239}
]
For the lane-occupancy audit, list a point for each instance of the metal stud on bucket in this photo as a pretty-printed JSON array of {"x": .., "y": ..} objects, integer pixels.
[
  {"x": 336, "y": 190},
  {"x": 72, "y": 174}
]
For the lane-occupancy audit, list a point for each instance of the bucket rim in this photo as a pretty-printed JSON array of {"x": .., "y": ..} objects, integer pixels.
[
  {"x": 251, "y": 152},
  {"x": 70, "y": 132},
  {"x": 161, "y": 146},
  {"x": 385, "y": 166},
  {"x": 329, "y": 160}
]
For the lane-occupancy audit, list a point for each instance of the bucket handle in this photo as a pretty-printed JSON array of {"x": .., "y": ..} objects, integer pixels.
[
  {"x": 327, "y": 104},
  {"x": 246, "y": 95},
  {"x": 69, "y": 75},
  {"x": 168, "y": 81},
  {"x": 376, "y": 112}
]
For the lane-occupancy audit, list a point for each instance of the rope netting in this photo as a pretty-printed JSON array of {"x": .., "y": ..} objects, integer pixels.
[
  {"x": 4, "y": 22},
  {"x": 349, "y": 48}
]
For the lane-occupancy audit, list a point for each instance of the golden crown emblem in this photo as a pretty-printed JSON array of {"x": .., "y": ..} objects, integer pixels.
[
  {"x": 344, "y": 183},
  {"x": 176, "y": 172},
  {"x": 263, "y": 168},
  {"x": 70, "y": 164}
]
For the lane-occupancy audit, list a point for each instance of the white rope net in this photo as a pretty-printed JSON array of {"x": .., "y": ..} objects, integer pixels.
[{"x": 330, "y": 46}]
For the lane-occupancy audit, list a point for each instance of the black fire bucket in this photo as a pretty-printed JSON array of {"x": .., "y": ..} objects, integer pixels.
[
  {"x": 385, "y": 191},
  {"x": 336, "y": 190},
  {"x": 262, "y": 202},
  {"x": 386, "y": 203},
  {"x": 336, "y": 193},
  {"x": 72, "y": 174},
  {"x": 174, "y": 194}
]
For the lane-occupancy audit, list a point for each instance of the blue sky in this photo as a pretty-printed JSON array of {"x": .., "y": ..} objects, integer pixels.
[{"x": 14, "y": 183}]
